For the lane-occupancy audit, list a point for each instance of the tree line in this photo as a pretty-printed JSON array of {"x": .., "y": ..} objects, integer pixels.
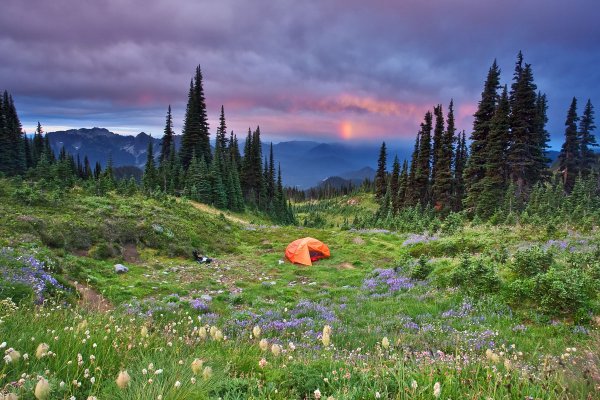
[
  {"x": 505, "y": 161},
  {"x": 221, "y": 177}
]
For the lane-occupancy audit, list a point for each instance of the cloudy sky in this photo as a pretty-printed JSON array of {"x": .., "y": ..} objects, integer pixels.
[{"x": 325, "y": 70}]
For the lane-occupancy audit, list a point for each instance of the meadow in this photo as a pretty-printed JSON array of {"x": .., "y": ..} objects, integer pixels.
[{"x": 472, "y": 311}]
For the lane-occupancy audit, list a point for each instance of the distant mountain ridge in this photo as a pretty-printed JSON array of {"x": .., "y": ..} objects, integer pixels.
[{"x": 304, "y": 164}]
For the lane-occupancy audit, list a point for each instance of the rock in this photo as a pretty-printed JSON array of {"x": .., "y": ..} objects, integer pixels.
[{"x": 121, "y": 269}]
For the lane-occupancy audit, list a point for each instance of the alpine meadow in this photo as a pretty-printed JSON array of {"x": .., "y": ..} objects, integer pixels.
[{"x": 447, "y": 245}]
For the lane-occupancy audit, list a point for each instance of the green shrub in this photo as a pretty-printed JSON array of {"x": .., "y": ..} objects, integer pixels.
[
  {"x": 564, "y": 290},
  {"x": 476, "y": 276},
  {"x": 532, "y": 262},
  {"x": 18, "y": 292},
  {"x": 104, "y": 250},
  {"x": 422, "y": 269}
]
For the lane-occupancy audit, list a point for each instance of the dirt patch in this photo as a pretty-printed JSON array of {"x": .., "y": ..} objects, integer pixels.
[
  {"x": 90, "y": 299},
  {"x": 358, "y": 240},
  {"x": 346, "y": 266},
  {"x": 130, "y": 253}
]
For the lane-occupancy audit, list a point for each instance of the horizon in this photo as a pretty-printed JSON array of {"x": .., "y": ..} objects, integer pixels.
[{"x": 336, "y": 72}]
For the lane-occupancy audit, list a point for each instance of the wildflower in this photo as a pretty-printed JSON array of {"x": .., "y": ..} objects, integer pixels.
[
  {"x": 327, "y": 330},
  {"x": 177, "y": 384},
  {"x": 193, "y": 380},
  {"x": 42, "y": 389},
  {"x": 262, "y": 363},
  {"x": 317, "y": 394},
  {"x": 325, "y": 339},
  {"x": 437, "y": 390},
  {"x": 414, "y": 385},
  {"x": 377, "y": 395},
  {"x": 276, "y": 350},
  {"x": 207, "y": 373},
  {"x": 213, "y": 330},
  {"x": 331, "y": 398},
  {"x": 507, "y": 364},
  {"x": 385, "y": 343},
  {"x": 9, "y": 396},
  {"x": 291, "y": 346},
  {"x": 92, "y": 398},
  {"x": 2, "y": 345},
  {"x": 158, "y": 372},
  {"x": 218, "y": 335},
  {"x": 197, "y": 366},
  {"x": 12, "y": 355},
  {"x": 202, "y": 333},
  {"x": 256, "y": 331},
  {"x": 123, "y": 379},
  {"x": 82, "y": 325},
  {"x": 263, "y": 344},
  {"x": 42, "y": 350},
  {"x": 144, "y": 331}
]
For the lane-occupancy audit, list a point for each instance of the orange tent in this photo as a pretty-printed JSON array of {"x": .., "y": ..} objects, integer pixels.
[{"x": 306, "y": 250}]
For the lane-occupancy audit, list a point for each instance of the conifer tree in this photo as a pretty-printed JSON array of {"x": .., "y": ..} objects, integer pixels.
[
  {"x": 87, "y": 169},
  {"x": 222, "y": 130},
  {"x": 37, "y": 147},
  {"x": 438, "y": 138},
  {"x": 402, "y": 186},
  {"x": 150, "y": 178},
  {"x": 442, "y": 183},
  {"x": 412, "y": 196},
  {"x": 195, "y": 136},
  {"x": 460, "y": 162},
  {"x": 569, "y": 153},
  {"x": 423, "y": 170},
  {"x": 234, "y": 152},
  {"x": 587, "y": 140},
  {"x": 525, "y": 153},
  {"x": 475, "y": 167},
  {"x": 167, "y": 143},
  {"x": 493, "y": 185},
  {"x": 380, "y": 175},
  {"x": 394, "y": 186}
]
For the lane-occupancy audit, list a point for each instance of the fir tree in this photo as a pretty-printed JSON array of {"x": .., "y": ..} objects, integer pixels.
[
  {"x": 460, "y": 162},
  {"x": 587, "y": 140},
  {"x": 412, "y": 197},
  {"x": 167, "y": 143},
  {"x": 569, "y": 153},
  {"x": 222, "y": 130},
  {"x": 438, "y": 139},
  {"x": 38, "y": 144},
  {"x": 394, "y": 186},
  {"x": 493, "y": 185},
  {"x": 150, "y": 178},
  {"x": 475, "y": 167},
  {"x": 380, "y": 175},
  {"x": 195, "y": 136},
  {"x": 525, "y": 152},
  {"x": 442, "y": 183},
  {"x": 423, "y": 171},
  {"x": 402, "y": 186}
]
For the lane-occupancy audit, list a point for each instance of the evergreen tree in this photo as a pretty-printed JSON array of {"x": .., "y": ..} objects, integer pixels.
[
  {"x": 412, "y": 196},
  {"x": 97, "y": 170},
  {"x": 460, "y": 162},
  {"x": 525, "y": 153},
  {"x": 493, "y": 185},
  {"x": 195, "y": 136},
  {"x": 219, "y": 195},
  {"x": 569, "y": 153},
  {"x": 234, "y": 152},
  {"x": 394, "y": 186},
  {"x": 87, "y": 169},
  {"x": 402, "y": 187},
  {"x": 222, "y": 130},
  {"x": 380, "y": 175},
  {"x": 475, "y": 168},
  {"x": 442, "y": 184},
  {"x": 150, "y": 178},
  {"x": 38, "y": 144},
  {"x": 438, "y": 139},
  {"x": 12, "y": 148},
  {"x": 587, "y": 140},
  {"x": 423, "y": 170},
  {"x": 541, "y": 160},
  {"x": 167, "y": 144}
]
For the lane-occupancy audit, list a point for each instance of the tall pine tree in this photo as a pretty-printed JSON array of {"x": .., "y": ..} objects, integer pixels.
[
  {"x": 380, "y": 175},
  {"x": 569, "y": 153},
  {"x": 587, "y": 140}
]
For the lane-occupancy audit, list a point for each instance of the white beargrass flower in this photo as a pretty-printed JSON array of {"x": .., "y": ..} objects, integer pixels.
[
  {"x": 385, "y": 343},
  {"x": 144, "y": 331},
  {"x": 256, "y": 331},
  {"x": 326, "y": 339},
  {"x": 437, "y": 390},
  {"x": 42, "y": 350},
  {"x": 197, "y": 366},
  {"x": 42, "y": 389},
  {"x": 276, "y": 349},
  {"x": 317, "y": 394},
  {"x": 263, "y": 344},
  {"x": 218, "y": 335},
  {"x": 207, "y": 373},
  {"x": 177, "y": 384},
  {"x": 414, "y": 385},
  {"x": 123, "y": 379}
]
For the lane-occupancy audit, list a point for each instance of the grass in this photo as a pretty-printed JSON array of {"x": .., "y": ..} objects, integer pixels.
[{"x": 436, "y": 332}]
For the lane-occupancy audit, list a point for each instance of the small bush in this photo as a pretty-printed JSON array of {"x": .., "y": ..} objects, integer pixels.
[
  {"x": 103, "y": 251},
  {"x": 476, "y": 276},
  {"x": 532, "y": 262},
  {"x": 422, "y": 269},
  {"x": 564, "y": 290}
]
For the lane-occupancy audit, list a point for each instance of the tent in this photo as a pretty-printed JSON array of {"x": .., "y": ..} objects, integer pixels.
[{"x": 306, "y": 250}]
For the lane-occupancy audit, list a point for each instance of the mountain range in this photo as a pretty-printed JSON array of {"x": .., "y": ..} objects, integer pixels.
[{"x": 304, "y": 164}]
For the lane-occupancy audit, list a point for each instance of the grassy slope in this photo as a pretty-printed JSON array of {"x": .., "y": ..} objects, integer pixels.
[{"x": 240, "y": 280}]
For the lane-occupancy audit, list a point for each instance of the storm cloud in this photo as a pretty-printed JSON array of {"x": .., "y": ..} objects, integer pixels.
[{"x": 301, "y": 69}]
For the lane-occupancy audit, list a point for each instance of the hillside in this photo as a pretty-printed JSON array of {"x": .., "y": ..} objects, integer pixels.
[{"x": 395, "y": 303}]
